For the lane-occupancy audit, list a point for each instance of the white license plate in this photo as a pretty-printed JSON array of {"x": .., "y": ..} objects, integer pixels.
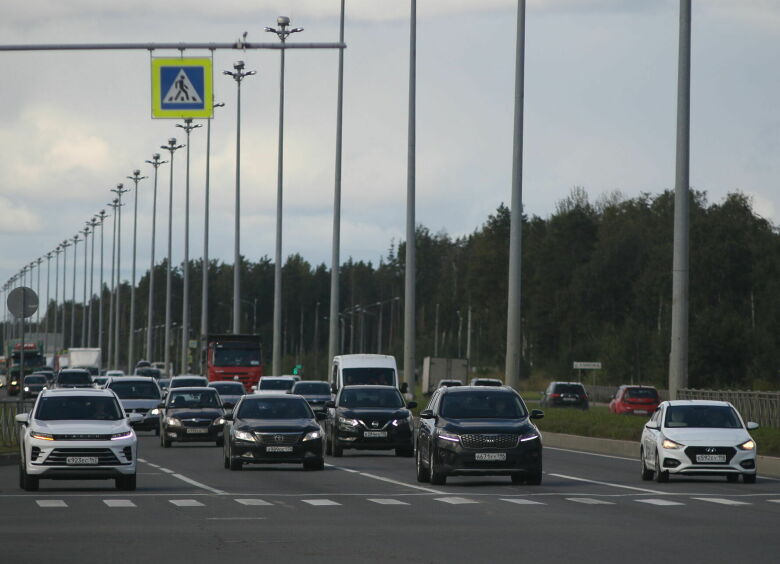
[
  {"x": 569, "y": 399},
  {"x": 76, "y": 460},
  {"x": 196, "y": 431},
  {"x": 278, "y": 449},
  {"x": 710, "y": 458},
  {"x": 375, "y": 434},
  {"x": 490, "y": 456},
  {"x": 640, "y": 412}
]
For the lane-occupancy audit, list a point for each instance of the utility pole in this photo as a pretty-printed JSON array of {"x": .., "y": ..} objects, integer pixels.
[
  {"x": 136, "y": 178},
  {"x": 155, "y": 162},
  {"x": 119, "y": 190}
]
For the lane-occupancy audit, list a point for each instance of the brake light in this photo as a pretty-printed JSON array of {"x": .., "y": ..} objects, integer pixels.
[{"x": 555, "y": 395}]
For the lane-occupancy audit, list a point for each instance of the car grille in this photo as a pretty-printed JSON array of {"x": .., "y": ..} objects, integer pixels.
[
  {"x": 82, "y": 437},
  {"x": 196, "y": 422},
  {"x": 692, "y": 451},
  {"x": 375, "y": 424},
  {"x": 142, "y": 410},
  {"x": 274, "y": 438},
  {"x": 58, "y": 455},
  {"x": 488, "y": 441}
]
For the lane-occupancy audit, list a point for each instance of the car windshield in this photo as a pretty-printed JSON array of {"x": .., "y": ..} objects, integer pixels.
[
  {"x": 74, "y": 378},
  {"x": 193, "y": 399},
  {"x": 312, "y": 388},
  {"x": 371, "y": 398},
  {"x": 236, "y": 357},
  {"x": 146, "y": 371},
  {"x": 482, "y": 405},
  {"x": 488, "y": 382},
  {"x": 369, "y": 376},
  {"x": 569, "y": 389},
  {"x": 78, "y": 408},
  {"x": 35, "y": 379},
  {"x": 641, "y": 393},
  {"x": 135, "y": 390},
  {"x": 275, "y": 408},
  {"x": 268, "y": 384},
  {"x": 228, "y": 388},
  {"x": 188, "y": 382},
  {"x": 702, "y": 416}
]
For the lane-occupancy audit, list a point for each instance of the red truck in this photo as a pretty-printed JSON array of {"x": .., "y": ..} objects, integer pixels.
[{"x": 235, "y": 358}]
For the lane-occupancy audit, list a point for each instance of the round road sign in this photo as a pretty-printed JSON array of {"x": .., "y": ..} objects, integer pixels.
[{"x": 22, "y": 302}]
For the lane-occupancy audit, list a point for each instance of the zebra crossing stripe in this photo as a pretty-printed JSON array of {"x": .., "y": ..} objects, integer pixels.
[
  {"x": 320, "y": 502},
  {"x": 663, "y": 502},
  {"x": 253, "y": 501},
  {"x": 186, "y": 503},
  {"x": 455, "y": 500},
  {"x": 51, "y": 503},
  {"x": 721, "y": 501},
  {"x": 521, "y": 501},
  {"x": 384, "y": 501},
  {"x": 119, "y": 503},
  {"x": 589, "y": 501}
]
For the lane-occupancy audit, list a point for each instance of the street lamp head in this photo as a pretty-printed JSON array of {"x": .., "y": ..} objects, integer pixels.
[
  {"x": 156, "y": 156},
  {"x": 296, "y": 30},
  {"x": 270, "y": 29},
  {"x": 238, "y": 65},
  {"x": 171, "y": 141},
  {"x": 137, "y": 172},
  {"x": 283, "y": 21},
  {"x": 250, "y": 73}
]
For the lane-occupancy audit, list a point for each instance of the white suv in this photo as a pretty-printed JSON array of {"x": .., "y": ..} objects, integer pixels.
[{"x": 77, "y": 434}]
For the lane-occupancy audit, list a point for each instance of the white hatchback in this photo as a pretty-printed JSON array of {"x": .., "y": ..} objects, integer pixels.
[
  {"x": 77, "y": 434},
  {"x": 698, "y": 438}
]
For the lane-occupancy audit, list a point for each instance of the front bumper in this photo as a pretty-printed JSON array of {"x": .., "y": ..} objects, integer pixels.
[
  {"x": 253, "y": 452},
  {"x": 454, "y": 458},
  {"x": 360, "y": 437},
  {"x": 49, "y": 459},
  {"x": 683, "y": 461},
  {"x": 192, "y": 434}
]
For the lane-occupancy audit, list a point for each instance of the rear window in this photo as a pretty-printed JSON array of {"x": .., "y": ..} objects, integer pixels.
[
  {"x": 368, "y": 376},
  {"x": 78, "y": 408},
  {"x": 641, "y": 393},
  {"x": 312, "y": 388},
  {"x": 35, "y": 379},
  {"x": 482, "y": 405},
  {"x": 135, "y": 390},
  {"x": 569, "y": 389},
  {"x": 74, "y": 379},
  {"x": 267, "y": 384}
]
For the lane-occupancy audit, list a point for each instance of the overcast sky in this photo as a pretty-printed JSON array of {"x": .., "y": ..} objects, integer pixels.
[{"x": 599, "y": 113}]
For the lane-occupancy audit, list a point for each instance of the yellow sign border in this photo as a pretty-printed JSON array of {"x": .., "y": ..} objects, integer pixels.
[{"x": 208, "y": 87}]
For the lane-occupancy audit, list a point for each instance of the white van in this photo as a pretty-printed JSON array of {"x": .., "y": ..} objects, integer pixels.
[{"x": 362, "y": 369}]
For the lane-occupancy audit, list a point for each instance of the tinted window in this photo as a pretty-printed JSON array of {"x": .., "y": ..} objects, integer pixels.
[
  {"x": 642, "y": 393},
  {"x": 482, "y": 405},
  {"x": 487, "y": 382},
  {"x": 135, "y": 390},
  {"x": 228, "y": 388},
  {"x": 236, "y": 357},
  {"x": 312, "y": 388},
  {"x": 275, "y": 408},
  {"x": 81, "y": 408},
  {"x": 35, "y": 379},
  {"x": 569, "y": 389},
  {"x": 188, "y": 382},
  {"x": 267, "y": 384},
  {"x": 371, "y": 376},
  {"x": 149, "y": 372},
  {"x": 371, "y": 398},
  {"x": 74, "y": 378},
  {"x": 708, "y": 416},
  {"x": 193, "y": 399}
]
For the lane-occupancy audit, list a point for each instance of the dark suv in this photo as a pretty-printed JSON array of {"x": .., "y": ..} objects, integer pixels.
[
  {"x": 565, "y": 394},
  {"x": 73, "y": 378},
  {"x": 478, "y": 430}
]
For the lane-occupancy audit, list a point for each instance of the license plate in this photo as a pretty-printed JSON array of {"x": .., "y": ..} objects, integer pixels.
[
  {"x": 569, "y": 399},
  {"x": 279, "y": 449},
  {"x": 490, "y": 456},
  {"x": 710, "y": 458},
  {"x": 76, "y": 460},
  {"x": 375, "y": 434},
  {"x": 640, "y": 412},
  {"x": 197, "y": 431}
]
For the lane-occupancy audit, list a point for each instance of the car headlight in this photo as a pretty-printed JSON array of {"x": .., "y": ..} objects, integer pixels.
[
  {"x": 748, "y": 445},
  {"x": 41, "y": 436},
  {"x": 346, "y": 422},
  {"x": 173, "y": 422},
  {"x": 14, "y": 382},
  {"x": 312, "y": 435},
  {"x": 155, "y": 411},
  {"x": 244, "y": 436},
  {"x": 119, "y": 436},
  {"x": 26, "y": 388},
  {"x": 402, "y": 421},
  {"x": 219, "y": 421},
  {"x": 670, "y": 444},
  {"x": 451, "y": 437},
  {"x": 529, "y": 437}
]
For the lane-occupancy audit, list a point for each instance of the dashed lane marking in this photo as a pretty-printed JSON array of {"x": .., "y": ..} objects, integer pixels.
[
  {"x": 252, "y": 501},
  {"x": 320, "y": 502},
  {"x": 119, "y": 503},
  {"x": 166, "y": 470},
  {"x": 455, "y": 500},
  {"x": 610, "y": 484},
  {"x": 663, "y": 502},
  {"x": 383, "y": 479},
  {"x": 521, "y": 501},
  {"x": 186, "y": 503},
  {"x": 51, "y": 503},
  {"x": 721, "y": 501},
  {"x": 589, "y": 501},
  {"x": 384, "y": 501}
]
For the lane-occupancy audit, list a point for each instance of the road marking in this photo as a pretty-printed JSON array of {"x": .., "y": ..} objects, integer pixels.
[
  {"x": 594, "y": 454},
  {"x": 186, "y": 502},
  {"x": 576, "y": 479},
  {"x": 589, "y": 501},
  {"x": 659, "y": 502},
  {"x": 198, "y": 484},
  {"x": 774, "y": 500},
  {"x": 166, "y": 470},
  {"x": 383, "y": 479},
  {"x": 152, "y": 465},
  {"x": 50, "y": 503},
  {"x": 342, "y": 468},
  {"x": 119, "y": 503},
  {"x": 721, "y": 501},
  {"x": 384, "y": 501},
  {"x": 253, "y": 501},
  {"x": 142, "y": 460},
  {"x": 234, "y": 518},
  {"x": 320, "y": 502},
  {"x": 520, "y": 501},
  {"x": 455, "y": 500}
]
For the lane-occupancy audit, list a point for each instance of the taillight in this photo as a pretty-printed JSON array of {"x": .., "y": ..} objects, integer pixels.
[{"x": 555, "y": 395}]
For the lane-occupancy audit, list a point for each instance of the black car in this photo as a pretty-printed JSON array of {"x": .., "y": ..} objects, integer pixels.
[
  {"x": 478, "y": 430},
  {"x": 370, "y": 418},
  {"x": 191, "y": 414},
  {"x": 33, "y": 384},
  {"x": 316, "y": 392},
  {"x": 273, "y": 428},
  {"x": 565, "y": 394},
  {"x": 229, "y": 392},
  {"x": 73, "y": 378}
]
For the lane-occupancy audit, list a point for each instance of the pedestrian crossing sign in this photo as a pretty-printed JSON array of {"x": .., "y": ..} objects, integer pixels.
[{"x": 182, "y": 87}]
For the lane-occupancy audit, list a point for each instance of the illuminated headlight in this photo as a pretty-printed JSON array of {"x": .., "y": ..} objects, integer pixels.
[
  {"x": 219, "y": 421},
  {"x": 14, "y": 382},
  {"x": 172, "y": 421},
  {"x": 748, "y": 445},
  {"x": 449, "y": 437},
  {"x": 347, "y": 423},
  {"x": 670, "y": 444},
  {"x": 402, "y": 421},
  {"x": 120, "y": 436},
  {"x": 26, "y": 388},
  {"x": 244, "y": 436},
  {"x": 155, "y": 411},
  {"x": 312, "y": 435},
  {"x": 530, "y": 437},
  {"x": 41, "y": 436}
]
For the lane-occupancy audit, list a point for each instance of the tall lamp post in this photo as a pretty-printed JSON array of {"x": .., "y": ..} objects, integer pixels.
[
  {"x": 48, "y": 302},
  {"x": 101, "y": 217},
  {"x": 115, "y": 206},
  {"x": 72, "y": 340},
  {"x": 238, "y": 75},
  {"x": 155, "y": 162},
  {"x": 57, "y": 252},
  {"x": 119, "y": 190},
  {"x": 185, "y": 313},
  {"x": 282, "y": 33},
  {"x": 410, "y": 330},
  {"x": 65, "y": 244},
  {"x": 83, "y": 341},
  {"x": 38, "y": 262},
  {"x": 136, "y": 178},
  {"x": 172, "y": 147},
  {"x": 93, "y": 223}
]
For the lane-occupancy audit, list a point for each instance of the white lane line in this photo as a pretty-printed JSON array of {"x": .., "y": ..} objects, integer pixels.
[
  {"x": 721, "y": 501},
  {"x": 166, "y": 470},
  {"x": 186, "y": 502},
  {"x": 774, "y": 500},
  {"x": 197, "y": 484},
  {"x": 589, "y": 501},
  {"x": 320, "y": 502},
  {"x": 576, "y": 479},
  {"x": 594, "y": 453},
  {"x": 234, "y": 518},
  {"x": 253, "y": 501},
  {"x": 455, "y": 500},
  {"x": 663, "y": 502},
  {"x": 142, "y": 460},
  {"x": 50, "y": 503},
  {"x": 384, "y": 501},
  {"x": 342, "y": 468},
  {"x": 396, "y": 482},
  {"x": 521, "y": 501},
  {"x": 119, "y": 503},
  {"x": 153, "y": 465}
]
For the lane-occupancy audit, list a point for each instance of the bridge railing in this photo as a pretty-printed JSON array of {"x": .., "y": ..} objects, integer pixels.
[
  {"x": 761, "y": 407},
  {"x": 9, "y": 430}
]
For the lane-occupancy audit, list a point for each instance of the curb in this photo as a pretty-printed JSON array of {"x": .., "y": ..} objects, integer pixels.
[
  {"x": 767, "y": 465},
  {"x": 9, "y": 458}
]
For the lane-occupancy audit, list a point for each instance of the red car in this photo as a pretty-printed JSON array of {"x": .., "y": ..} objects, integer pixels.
[{"x": 636, "y": 400}]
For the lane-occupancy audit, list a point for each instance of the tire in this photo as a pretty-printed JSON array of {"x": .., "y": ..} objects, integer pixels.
[
  {"x": 338, "y": 451},
  {"x": 126, "y": 483},
  {"x": 26, "y": 482},
  {"x": 165, "y": 442},
  {"x": 157, "y": 431},
  {"x": 732, "y": 478},
  {"x": 647, "y": 474},
  {"x": 533, "y": 478},
  {"x": 406, "y": 452},
  {"x": 660, "y": 476},
  {"x": 314, "y": 464},
  {"x": 749, "y": 478},
  {"x": 328, "y": 446},
  {"x": 518, "y": 478},
  {"x": 423, "y": 474},
  {"x": 437, "y": 478}
]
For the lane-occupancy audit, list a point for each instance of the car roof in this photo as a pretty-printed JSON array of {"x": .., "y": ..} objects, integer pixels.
[
  {"x": 697, "y": 402},
  {"x": 273, "y": 395},
  {"x": 312, "y": 382},
  {"x": 78, "y": 392},
  {"x": 481, "y": 389},
  {"x": 182, "y": 376},
  {"x": 369, "y": 387},
  {"x": 132, "y": 379},
  {"x": 285, "y": 378},
  {"x": 574, "y": 383},
  {"x": 192, "y": 389},
  {"x": 222, "y": 382},
  {"x": 77, "y": 370}
]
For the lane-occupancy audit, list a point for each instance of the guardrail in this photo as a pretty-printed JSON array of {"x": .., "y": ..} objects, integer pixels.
[
  {"x": 8, "y": 429},
  {"x": 603, "y": 394},
  {"x": 761, "y": 407}
]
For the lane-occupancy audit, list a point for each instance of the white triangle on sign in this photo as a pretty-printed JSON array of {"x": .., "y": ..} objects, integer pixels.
[{"x": 182, "y": 91}]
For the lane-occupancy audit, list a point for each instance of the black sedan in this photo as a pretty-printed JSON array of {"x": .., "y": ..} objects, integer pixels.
[
  {"x": 479, "y": 431},
  {"x": 370, "y": 418},
  {"x": 316, "y": 392},
  {"x": 191, "y": 414},
  {"x": 273, "y": 428}
]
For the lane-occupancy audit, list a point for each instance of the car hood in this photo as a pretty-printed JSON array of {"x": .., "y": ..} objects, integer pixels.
[
  {"x": 82, "y": 427},
  {"x": 317, "y": 397},
  {"x": 190, "y": 413},
  {"x": 373, "y": 412},
  {"x": 276, "y": 425},
  {"x": 707, "y": 437},
  {"x": 487, "y": 426},
  {"x": 139, "y": 403}
]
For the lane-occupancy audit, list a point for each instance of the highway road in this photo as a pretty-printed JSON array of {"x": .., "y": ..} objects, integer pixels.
[{"x": 367, "y": 507}]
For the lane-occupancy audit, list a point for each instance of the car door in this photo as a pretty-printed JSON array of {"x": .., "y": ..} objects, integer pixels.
[
  {"x": 425, "y": 432},
  {"x": 650, "y": 437}
]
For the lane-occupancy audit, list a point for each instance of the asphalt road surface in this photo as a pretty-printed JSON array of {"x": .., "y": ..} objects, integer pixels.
[{"x": 367, "y": 507}]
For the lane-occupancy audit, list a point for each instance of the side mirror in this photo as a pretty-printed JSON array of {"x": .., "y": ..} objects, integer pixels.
[
  {"x": 254, "y": 388},
  {"x": 537, "y": 414},
  {"x": 228, "y": 416},
  {"x": 320, "y": 416},
  {"x": 411, "y": 404},
  {"x": 135, "y": 418},
  {"x": 752, "y": 425},
  {"x": 330, "y": 404},
  {"x": 427, "y": 414},
  {"x": 22, "y": 418},
  {"x": 653, "y": 426},
  {"x": 404, "y": 387}
]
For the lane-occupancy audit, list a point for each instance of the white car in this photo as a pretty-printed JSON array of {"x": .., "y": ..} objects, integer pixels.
[
  {"x": 114, "y": 373},
  {"x": 698, "y": 438},
  {"x": 77, "y": 434},
  {"x": 275, "y": 385}
]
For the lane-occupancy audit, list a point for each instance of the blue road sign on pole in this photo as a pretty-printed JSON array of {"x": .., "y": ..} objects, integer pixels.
[{"x": 182, "y": 88}]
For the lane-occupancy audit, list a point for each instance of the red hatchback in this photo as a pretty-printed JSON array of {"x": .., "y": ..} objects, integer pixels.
[{"x": 636, "y": 400}]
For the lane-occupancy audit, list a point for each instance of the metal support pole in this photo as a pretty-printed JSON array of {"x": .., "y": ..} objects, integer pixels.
[
  {"x": 65, "y": 244},
  {"x": 48, "y": 303},
  {"x": 93, "y": 224},
  {"x": 155, "y": 162},
  {"x": 119, "y": 190},
  {"x": 57, "y": 252},
  {"x": 72, "y": 340},
  {"x": 172, "y": 147},
  {"x": 410, "y": 273},
  {"x": 436, "y": 333},
  {"x": 83, "y": 340},
  {"x": 136, "y": 178},
  {"x": 38, "y": 262},
  {"x": 102, "y": 218},
  {"x": 115, "y": 206}
]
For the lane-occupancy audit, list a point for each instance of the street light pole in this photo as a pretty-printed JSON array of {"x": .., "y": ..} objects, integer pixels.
[
  {"x": 238, "y": 75},
  {"x": 115, "y": 206},
  {"x": 155, "y": 162},
  {"x": 65, "y": 244},
  {"x": 185, "y": 314},
  {"x": 38, "y": 262},
  {"x": 136, "y": 178},
  {"x": 411, "y": 268},
  {"x": 93, "y": 224},
  {"x": 57, "y": 252},
  {"x": 83, "y": 340},
  {"x": 72, "y": 340},
  {"x": 172, "y": 147},
  {"x": 282, "y": 33},
  {"x": 48, "y": 302},
  {"x": 119, "y": 190},
  {"x": 101, "y": 217}
]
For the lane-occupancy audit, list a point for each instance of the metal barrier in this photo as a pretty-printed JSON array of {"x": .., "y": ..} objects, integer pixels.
[
  {"x": 604, "y": 394},
  {"x": 761, "y": 407},
  {"x": 9, "y": 432}
]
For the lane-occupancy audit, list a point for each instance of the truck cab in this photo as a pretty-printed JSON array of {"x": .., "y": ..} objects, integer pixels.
[
  {"x": 234, "y": 358},
  {"x": 364, "y": 369}
]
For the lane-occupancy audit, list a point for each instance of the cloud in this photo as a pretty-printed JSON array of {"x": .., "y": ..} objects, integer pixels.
[{"x": 17, "y": 218}]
